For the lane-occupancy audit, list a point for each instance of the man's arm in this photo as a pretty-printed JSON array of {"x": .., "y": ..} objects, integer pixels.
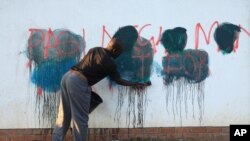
[
  {"x": 111, "y": 69},
  {"x": 123, "y": 82}
]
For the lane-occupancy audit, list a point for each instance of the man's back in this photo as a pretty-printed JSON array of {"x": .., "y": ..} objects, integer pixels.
[{"x": 97, "y": 64}]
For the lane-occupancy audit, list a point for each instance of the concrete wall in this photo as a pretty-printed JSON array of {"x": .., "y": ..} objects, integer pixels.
[{"x": 226, "y": 91}]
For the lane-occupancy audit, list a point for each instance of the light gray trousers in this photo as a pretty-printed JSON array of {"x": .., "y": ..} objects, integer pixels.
[{"x": 73, "y": 106}]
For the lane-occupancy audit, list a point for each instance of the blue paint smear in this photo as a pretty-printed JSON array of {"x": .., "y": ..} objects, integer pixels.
[
  {"x": 157, "y": 69},
  {"x": 48, "y": 75},
  {"x": 52, "y": 55}
]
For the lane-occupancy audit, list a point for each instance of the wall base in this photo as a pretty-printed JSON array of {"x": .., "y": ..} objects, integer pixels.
[{"x": 124, "y": 134}]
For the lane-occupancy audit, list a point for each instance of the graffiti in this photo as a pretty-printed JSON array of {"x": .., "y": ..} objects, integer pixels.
[
  {"x": 207, "y": 37},
  {"x": 226, "y": 36},
  {"x": 190, "y": 64},
  {"x": 183, "y": 70},
  {"x": 155, "y": 40},
  {"x": 151, "y": 39},
  {"x": 51, "y": 54},
  {"x": 135, "y": 65}
]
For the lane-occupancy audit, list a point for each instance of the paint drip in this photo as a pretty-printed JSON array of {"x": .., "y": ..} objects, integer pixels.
[
  {"x": 134, "y": 65},
  {"x": 136, "y": 108},
  {"x": 181, "y": 93},
  {"x": 47, "y": 108}
]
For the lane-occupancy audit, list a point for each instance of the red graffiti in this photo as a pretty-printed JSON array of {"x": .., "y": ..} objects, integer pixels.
[
  {"x": 236, "y": 43},
  {"x": 38, "y": 40},
  {"x": 39, "y": 91},
  {"x": 47, "y": 45},
  {"x": 197, "y": 33},
  {"x": 172, "y": 68},
  {"x": 192, "y": 64},
  {"x": 243, "y": 29},
  {"x": 151, "y": 39},
  {"x": 103, "y": 34},
  {"x": 207, "y": 37},
  {"x": 197, "y": 66},
  {"x": 51, "y": 40},
  {"x": 142, "y": 57},
  {"x": 154, "y": 42}
]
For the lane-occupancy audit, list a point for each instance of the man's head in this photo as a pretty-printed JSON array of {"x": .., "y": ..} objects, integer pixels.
[
  {"x": 123, "y": 40},
  {"x": 114, "y": 48}
]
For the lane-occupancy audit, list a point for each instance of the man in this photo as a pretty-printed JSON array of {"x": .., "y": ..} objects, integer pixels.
[{"x": 76, "y": 83}]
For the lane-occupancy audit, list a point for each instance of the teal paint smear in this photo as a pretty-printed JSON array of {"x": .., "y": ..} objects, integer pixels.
[
  {"x": 136, "y": 64},
  {"x": 225, "y": 36}
]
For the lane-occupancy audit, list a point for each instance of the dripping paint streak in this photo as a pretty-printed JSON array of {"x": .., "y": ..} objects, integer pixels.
[
  {"x": 136, "y": 109},
  {"x": 180, "y": 93}
]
